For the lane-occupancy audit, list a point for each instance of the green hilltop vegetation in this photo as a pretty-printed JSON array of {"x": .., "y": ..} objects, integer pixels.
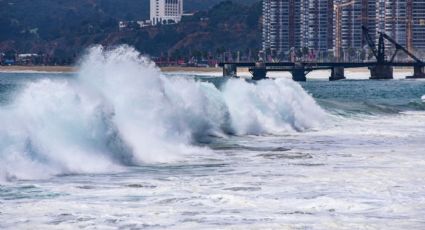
[{"x": 63, "y": 29}]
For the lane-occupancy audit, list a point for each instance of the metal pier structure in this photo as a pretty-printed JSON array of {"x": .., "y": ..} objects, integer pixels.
[{"x": 379, "y": 69}]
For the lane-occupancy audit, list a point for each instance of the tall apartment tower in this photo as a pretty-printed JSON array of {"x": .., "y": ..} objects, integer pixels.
[
  {"x": 281, "y": 26},
  {"x": 317, "y": 24},
  {"x": 354, "y": 16},
  {"x": 369, "y": 19},
  {"x": 166, "y": 11},
  {"x": 404, "y": 21},
  {"x": 417, "y": 31},
  {"x": 393, "y": 20}
]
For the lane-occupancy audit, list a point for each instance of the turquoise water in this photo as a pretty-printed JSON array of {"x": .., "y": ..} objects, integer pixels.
[{"x": 369, "y": 97}]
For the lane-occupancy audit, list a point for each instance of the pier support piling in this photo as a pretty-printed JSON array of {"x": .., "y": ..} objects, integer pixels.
[
  {"x": 381, "y": 72},
  {"x": 229, "y": 70},
  {"x": 418, "y": 72},
  {"x": 259, "y": 72},
  {"x": 337, "y": 74},
  {"x": 298, "y": 73}
]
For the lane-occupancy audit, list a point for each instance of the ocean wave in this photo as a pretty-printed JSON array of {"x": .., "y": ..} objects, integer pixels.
[
  {"x": 122, "y": 111},
  {"x": 423, "y": 98}
]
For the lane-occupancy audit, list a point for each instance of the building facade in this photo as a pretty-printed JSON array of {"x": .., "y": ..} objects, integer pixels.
[
  {"x": 404, "y": 21},
  {"x": 166, "y": 11},
  {"x": 312, "y": 23},
  {"x": 418, "y": 25},
  {"x": 392, "y": 19},
  {"x": 317, "y": 24},
  {"x": 369, "y": 18},
  {"x": 281, "y": 26},
  {"x": 353, "y": 17}
]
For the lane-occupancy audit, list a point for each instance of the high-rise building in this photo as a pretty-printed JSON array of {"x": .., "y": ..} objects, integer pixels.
[
  {"x": 281, "y": 26},
  {"x": 312, "y": 24},
  {"x": 393, "y": 17},
  {"x": 380, "y": 16},
  {"x": 404, "y": 21},
  {"x": 369, "y": 18},
  {"x": 418, "y": 25},
  {"x": 354, "y": 16},
  {"x": 166, "y": 11},
  {"x": 316, "y": 24}
]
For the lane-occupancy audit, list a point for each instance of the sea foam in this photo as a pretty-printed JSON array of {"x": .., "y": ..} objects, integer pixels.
[{"x": 121, "y": 110}]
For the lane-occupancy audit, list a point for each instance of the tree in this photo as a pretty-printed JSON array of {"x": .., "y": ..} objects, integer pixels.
[
  {"x": 305, "y": 51},
  {"x": 10, "y": 55},
  {"x": 352, "y": 52}
]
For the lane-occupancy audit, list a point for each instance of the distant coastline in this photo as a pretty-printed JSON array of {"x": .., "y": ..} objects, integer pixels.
[
  {"x": 48, "y": 69},
  {"x": 71, "y": 69}
]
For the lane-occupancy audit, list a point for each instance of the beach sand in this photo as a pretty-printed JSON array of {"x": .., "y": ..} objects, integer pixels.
[
  {"x": 68, "y": 69},
  {"x": 49, "y": 69}
]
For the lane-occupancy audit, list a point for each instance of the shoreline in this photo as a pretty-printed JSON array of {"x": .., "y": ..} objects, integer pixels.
[
  {"x": 73, "y": 69},
  {"x": 169, "y": 69},
  {"x": 36, "y": 69}
]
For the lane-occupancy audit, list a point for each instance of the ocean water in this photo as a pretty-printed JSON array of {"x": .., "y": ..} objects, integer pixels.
[{"x": 121, "y": 145}]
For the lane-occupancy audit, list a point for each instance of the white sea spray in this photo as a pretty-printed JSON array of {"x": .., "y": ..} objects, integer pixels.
[{"x": 122, "y": 111}]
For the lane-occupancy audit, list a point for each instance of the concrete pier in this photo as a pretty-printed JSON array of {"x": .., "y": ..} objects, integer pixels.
[
  {"x": 259, "y": 72},
  {"x": 337, "y": 74},
  {"x": 418, "y": 72},
  {"x": 299, "y": 70},
  {"x": 230, "y": 70},
  {"x": 381, "y": 72},
  {"x": 379, "y": 69},
  {"x": 298, "y": 73}
]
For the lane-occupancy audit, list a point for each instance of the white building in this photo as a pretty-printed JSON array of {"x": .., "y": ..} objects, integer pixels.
[{"x": 166, "y": 11}]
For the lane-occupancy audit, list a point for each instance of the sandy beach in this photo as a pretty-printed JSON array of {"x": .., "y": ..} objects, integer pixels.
[
  {"x": 49, "y": 69},
  {"x": 69, "y": 69}
]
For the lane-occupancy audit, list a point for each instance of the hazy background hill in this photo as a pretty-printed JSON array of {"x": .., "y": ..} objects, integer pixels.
[
  {"x": 62, "y": 29},
  {"x": 48, "y": 18}
]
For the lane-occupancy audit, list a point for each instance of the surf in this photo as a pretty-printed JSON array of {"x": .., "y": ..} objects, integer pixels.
[{"x": 120, "y": 110}]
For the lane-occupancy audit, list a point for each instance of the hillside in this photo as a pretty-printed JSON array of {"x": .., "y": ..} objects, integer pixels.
[
  {"x": 193, "y": 5},
  {"x": 62, "y": 29}
]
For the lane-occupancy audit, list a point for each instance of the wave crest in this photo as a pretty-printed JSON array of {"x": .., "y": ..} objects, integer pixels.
[{"x": 122, "y": 111}]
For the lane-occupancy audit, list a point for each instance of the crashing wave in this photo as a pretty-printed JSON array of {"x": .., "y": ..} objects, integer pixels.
[{"x": 122, "y": 111}]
